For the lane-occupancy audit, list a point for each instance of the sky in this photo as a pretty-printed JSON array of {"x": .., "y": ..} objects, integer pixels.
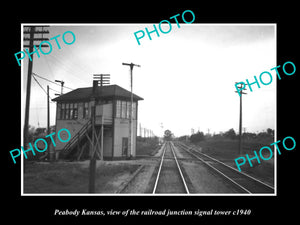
[{"x": 186, "y": 77}]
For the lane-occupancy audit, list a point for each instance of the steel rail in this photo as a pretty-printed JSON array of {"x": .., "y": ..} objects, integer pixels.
[
  {"x": 206, "y": 163},
  {"x": 230, "y": 167},
  {"x": 177, "y": 164},
  {"x": 186, "y": 148},
  {"x": 181, "y": 174},
  {"x": 161, "y": 162}
]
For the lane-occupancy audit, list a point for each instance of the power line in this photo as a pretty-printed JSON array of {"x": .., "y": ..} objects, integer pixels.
[
  {"x": 40, "y": 85},
  {"x": 43, "y": 88},
  {"x": 50, "y": 81},
  {"x": 54, "y": 90},
  {"x": 68, "y": 66}
]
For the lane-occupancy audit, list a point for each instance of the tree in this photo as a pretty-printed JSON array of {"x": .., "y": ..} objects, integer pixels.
[
  {"x": 31, "y": 132},
  {"x": 199, "y": 136},
  {"x": 230, "y": 134},
  {"x": 270, "y": 132},
  {"x": 168, "y": 135},
  {"x": 183, "y": 138}
]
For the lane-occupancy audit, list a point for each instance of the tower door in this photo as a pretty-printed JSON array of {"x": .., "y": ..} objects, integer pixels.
[{"x": 124, "y": 146}]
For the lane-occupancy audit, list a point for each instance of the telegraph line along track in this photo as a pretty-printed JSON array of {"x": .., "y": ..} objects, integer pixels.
[
  {"x": 170, "y": 178},
  {"x": 242, "y": 181}
]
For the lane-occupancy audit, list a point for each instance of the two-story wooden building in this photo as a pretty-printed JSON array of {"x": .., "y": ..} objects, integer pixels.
[{"x": 112, "y": 113}]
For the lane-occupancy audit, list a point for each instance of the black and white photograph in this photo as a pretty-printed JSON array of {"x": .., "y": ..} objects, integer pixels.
[{"x": 110, "y": 116}]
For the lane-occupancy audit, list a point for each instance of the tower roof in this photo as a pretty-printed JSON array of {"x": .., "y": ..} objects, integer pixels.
[{"x": 106, "y": 92}]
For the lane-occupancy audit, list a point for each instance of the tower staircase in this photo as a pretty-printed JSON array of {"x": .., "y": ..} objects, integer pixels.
[{"x": 70, "y": 147}]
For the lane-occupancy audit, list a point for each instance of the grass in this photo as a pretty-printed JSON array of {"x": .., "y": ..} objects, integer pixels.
[
  {"x": 226, "y": 150},
  {"x": 147, "y": 146},
  {"x": 73, "y": 177}
]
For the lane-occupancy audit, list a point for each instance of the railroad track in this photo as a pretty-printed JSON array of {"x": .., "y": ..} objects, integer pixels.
[
  {"x": 170, "y": 178},
  {"x": 242, "y": 181}
]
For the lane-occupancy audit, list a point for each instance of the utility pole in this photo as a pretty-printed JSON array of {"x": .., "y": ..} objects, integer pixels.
[
  {"x": 240, "y": 126},
  {"x": 131, "y": 102},
  {"x": 48, "y": 118},
  {"x": 32, "y": 31},
  {"x": 140, "y": 129},
  {"x": 62, "y": 85},
  {"x": 48, "y": 111},
  {"x": 92, "y": 172},
  {"x": 104, "y": 79}
]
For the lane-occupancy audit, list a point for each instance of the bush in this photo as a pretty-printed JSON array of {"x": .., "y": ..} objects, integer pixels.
[
  {"x": 199, "y": 136},
  {"x": 230, "y": 134},
  {"x": 146, "y": 146}
]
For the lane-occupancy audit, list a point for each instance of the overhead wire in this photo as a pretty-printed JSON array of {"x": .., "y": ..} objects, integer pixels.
[
  {"x": 38, "y": 109},
  {"x": 40, "y": 85},
  {"x": 50, "y": 80},
  {"x": 54, "y": 90},
  {"x": 69, "y": 67},
  {"x": 44, "y": 88}
]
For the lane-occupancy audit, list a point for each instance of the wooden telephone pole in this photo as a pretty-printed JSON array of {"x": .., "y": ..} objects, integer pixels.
[
  {"x": 241, "y": 121},
  {"x": 131, "y": 102},
  {"x": 92, "y": 172},
  {"x": 31, "y": 30},
  {"x": 104, "y": 79}
]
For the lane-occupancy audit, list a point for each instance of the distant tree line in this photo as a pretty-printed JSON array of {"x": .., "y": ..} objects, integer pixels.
[
  {"x": 199, "y": 136},
  {"x": 230, "y": 134}
]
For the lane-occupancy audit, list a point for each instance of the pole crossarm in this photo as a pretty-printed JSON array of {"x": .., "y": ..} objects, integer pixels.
[
  {"x": 32, "y": 31},
  {"x": 37, "y": 32},
  {"x": 240, "y": 87},
  {"x": 131, "y": 65},
  {"x": 36, "y": 39},
  {"x": 104, "y": 79}
]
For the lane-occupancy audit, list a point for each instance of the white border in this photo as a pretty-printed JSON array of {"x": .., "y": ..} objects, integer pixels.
[{"x": 151, "y": 195}]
